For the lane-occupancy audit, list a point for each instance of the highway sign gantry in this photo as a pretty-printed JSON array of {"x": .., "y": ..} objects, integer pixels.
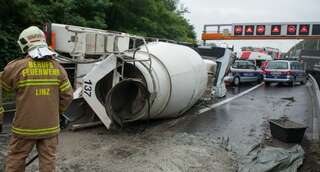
[{"x": 245, "y": 31}]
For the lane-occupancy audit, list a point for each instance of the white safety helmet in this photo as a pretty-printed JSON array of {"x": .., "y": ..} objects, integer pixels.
[{"x": 33, "y": 41}]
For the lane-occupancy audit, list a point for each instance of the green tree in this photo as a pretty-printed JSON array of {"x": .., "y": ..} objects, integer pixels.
[
  {"x": 153, "y": 18},
  {"x": 16, "y": 15}
]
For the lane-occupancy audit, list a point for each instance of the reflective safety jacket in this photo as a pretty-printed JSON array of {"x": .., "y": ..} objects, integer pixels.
[{"x": 42, "y": 90}]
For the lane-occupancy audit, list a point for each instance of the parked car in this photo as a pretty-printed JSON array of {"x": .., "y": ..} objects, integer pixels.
[
  {"x": 284, "y": 71},
  {"x": 243, "y": 71}
]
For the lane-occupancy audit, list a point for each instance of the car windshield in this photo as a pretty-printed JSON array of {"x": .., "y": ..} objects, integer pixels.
[{"x": 277, "y": 65}]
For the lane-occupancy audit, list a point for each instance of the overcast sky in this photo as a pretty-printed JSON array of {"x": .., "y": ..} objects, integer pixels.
[{"x": 247, "y": 11}]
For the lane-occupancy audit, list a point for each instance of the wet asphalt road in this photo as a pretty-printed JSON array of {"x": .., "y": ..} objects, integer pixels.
[{"x": 244, "y": 120}]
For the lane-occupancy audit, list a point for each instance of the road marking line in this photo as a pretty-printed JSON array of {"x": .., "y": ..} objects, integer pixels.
[{"x": 229, "y": 99}]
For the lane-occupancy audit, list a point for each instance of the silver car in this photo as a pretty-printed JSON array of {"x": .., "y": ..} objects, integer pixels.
[{"x": 284, "y": 71}]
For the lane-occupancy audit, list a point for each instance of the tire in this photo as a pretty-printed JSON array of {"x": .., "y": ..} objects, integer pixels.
[
  {"x": 291, "y": 83},
  {"x": 303, "y": 82},
  {"x": 267, "y": 83},
  {"x": 114, "y": 127},
  {"x": 260, "y": 79},
  {"x": 236, "y": 81}
]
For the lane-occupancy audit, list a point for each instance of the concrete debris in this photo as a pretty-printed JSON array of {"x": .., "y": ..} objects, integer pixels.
[{"x": 156, "y": 152}]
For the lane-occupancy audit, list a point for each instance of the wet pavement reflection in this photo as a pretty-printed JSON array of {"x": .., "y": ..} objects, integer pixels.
[{"x": 245, "y": 120}]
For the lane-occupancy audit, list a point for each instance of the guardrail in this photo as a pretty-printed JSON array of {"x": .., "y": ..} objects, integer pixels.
[{"x": 316, "y": 107}]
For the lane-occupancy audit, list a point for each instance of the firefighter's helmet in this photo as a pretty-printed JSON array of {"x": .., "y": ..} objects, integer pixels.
[
  {"x": 30, "y": 38},
  {"x": 33, "y": 41}
]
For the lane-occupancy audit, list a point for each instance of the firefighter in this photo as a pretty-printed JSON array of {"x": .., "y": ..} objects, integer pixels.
[{"x": 43, "y": 91}]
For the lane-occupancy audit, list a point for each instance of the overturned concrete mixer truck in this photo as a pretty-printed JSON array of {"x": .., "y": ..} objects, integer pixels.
[{"x": 125, "y": 78}]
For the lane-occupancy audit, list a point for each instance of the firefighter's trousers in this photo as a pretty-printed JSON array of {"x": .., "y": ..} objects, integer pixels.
[{"x": 19, "y": 149}]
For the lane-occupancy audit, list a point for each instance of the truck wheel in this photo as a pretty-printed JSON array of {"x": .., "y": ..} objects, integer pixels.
[
  {"x": 267, "y": 83},
  {"x": 236, "y": 81},
  {"x": 303, "y": 82}
]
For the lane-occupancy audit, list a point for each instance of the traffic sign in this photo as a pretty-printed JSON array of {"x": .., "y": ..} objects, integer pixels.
[
  {"x": 275, "y": 29},
  {"x": 249, "y": 30},
  {"x": 316, "y": 29},
  {"x": 261, "y": 30},
  {"x": 236, "y": 31},
  {"x": 292, "y": 29},
  {"x": 304, "y": 29}
]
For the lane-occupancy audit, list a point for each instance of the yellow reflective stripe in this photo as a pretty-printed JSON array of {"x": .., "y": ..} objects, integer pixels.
[
  {"x": 37, "y": 82},
  {"x": 5, "y": 86},
  {"x": 1, "y": 109},
  {"x": 34, "y": 132},
  {"x": 66, "y": 88},
  {"x": 66, "y": 85}
]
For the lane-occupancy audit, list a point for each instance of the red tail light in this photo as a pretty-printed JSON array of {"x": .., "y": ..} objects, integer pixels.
[{"x": 267, "y": 72}]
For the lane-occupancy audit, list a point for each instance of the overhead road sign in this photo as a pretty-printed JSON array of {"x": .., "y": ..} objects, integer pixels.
[{"x": 243, "y": 31}]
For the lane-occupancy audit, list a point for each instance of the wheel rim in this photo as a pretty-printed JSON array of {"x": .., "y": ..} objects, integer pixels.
[{"x": 236, "y": 81}]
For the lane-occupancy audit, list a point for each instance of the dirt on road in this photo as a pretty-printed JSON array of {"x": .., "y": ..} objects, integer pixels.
[{"x": 155, "y": 151}]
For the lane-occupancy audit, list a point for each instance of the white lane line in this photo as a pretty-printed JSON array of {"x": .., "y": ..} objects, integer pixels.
[{"x": 229, "y": 99}]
